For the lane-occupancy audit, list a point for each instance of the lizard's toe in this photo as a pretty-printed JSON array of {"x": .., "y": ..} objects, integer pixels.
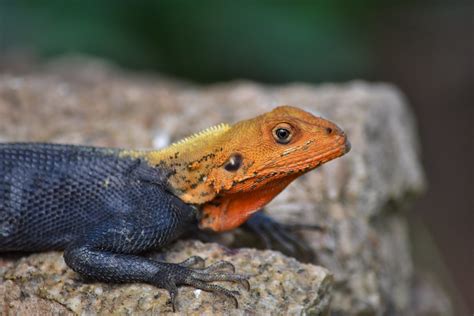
[
  {"x": 220, "y": 266},
  {"x": 173, "y": 291},
  {"x": 213, "y": 288},
  {"x": 194, "y": 261},
  {"x": 221, "y": 276},
  {"x": 186, "y": 273}
]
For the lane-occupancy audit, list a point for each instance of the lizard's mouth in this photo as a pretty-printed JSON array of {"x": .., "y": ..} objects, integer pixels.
[
  {"x": 319, "y": 159},
  {"x": 287, "y": 167}
]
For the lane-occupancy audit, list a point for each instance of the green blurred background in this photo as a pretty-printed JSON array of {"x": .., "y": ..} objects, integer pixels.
[
  {"x": 424, "y": 47},
  {"x": 206, "y": 41}
]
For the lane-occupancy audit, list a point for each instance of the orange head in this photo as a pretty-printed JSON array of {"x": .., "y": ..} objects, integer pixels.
[{"x": 230, "y": 172}]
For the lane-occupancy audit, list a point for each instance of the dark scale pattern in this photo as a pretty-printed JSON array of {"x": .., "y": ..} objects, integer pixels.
[
  {"x": 51, "y": 194},
  {"x": 102, "y": 209}
]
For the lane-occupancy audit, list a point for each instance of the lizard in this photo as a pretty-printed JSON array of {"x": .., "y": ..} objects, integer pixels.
[{"x": 106, "y": 206}]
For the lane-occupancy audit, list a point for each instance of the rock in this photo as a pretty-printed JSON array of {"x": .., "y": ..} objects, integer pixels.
[
  {"x": 358, "y": 197},
  {"x": 428, "y": 298},
  {"x": 279, "y": 285}
]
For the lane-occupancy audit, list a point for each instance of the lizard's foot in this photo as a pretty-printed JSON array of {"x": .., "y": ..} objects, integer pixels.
[
  {"x": 192, "y": 272},
  {"x": 275, "y": 235}
]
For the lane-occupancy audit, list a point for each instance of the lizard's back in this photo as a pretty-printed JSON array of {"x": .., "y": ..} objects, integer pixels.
[{"x": 50, "y": 193}]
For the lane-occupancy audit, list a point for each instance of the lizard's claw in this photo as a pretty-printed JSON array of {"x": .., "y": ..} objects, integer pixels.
[{"x": 199, "y": 277}]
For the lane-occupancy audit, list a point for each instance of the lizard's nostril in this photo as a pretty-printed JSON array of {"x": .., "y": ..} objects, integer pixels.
[{"x": 328, "y": 130}]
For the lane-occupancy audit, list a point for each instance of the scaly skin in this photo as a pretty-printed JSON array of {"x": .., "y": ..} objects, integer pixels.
[
  {"x": 106, "y": 206},
  {"x": 228, "y": 198}
]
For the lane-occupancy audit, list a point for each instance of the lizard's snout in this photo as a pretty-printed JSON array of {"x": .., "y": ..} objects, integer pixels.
[
  {"x": 348, "y": 146},
  {"x": 333, "y": 129}
]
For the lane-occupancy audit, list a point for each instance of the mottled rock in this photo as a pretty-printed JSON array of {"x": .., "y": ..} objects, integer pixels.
[
  {"x": 358, "y": 198},
  {"x": 279, "y": 285}
]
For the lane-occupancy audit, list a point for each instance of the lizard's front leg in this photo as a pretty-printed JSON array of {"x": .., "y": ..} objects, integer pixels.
[
  {"x": 276, "y": 235},
  {"x": 109, "y": 253}
]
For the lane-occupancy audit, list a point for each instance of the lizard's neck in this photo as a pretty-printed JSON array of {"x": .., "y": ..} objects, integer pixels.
[
  {"x": 188, "y": 162},
  {"x": 189, "y": 170}
]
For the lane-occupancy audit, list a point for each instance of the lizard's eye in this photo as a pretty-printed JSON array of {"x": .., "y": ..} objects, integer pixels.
[
  {"x": 234, "y": 162},
  {"x": 283, "y": 133}
]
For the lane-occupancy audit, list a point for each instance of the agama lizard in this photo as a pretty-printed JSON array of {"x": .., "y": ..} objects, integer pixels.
[{"x": 105, "y": 206}]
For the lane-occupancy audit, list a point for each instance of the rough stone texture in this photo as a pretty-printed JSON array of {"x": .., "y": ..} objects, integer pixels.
[
  {"x": 279, "y": 285},
  {"x": 358, "y": 197}
]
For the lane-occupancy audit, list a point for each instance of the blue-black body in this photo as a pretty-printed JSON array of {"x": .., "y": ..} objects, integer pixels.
[
  {"x": 102, "y": 208},
  {"x": 51, "y": 195}
]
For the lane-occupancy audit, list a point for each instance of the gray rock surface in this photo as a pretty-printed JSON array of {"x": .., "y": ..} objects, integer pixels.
[
  {"x": 358, "y": 197},
  {"x": 280, "y": 285}
]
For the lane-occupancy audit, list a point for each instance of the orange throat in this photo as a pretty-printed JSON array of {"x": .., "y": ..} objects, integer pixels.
[{"x": 232, "y": 210}]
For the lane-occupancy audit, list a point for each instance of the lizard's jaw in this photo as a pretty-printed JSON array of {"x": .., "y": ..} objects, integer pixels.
[{"x": 231, "y": 210}]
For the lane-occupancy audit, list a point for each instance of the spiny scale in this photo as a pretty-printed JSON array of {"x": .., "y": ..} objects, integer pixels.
[
  {"x": 213, "y": 130},
  {"x": 188, "y": 145}
]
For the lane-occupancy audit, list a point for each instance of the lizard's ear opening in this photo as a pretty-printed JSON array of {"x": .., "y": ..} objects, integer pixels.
[{"x": 234, "y": 162}]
